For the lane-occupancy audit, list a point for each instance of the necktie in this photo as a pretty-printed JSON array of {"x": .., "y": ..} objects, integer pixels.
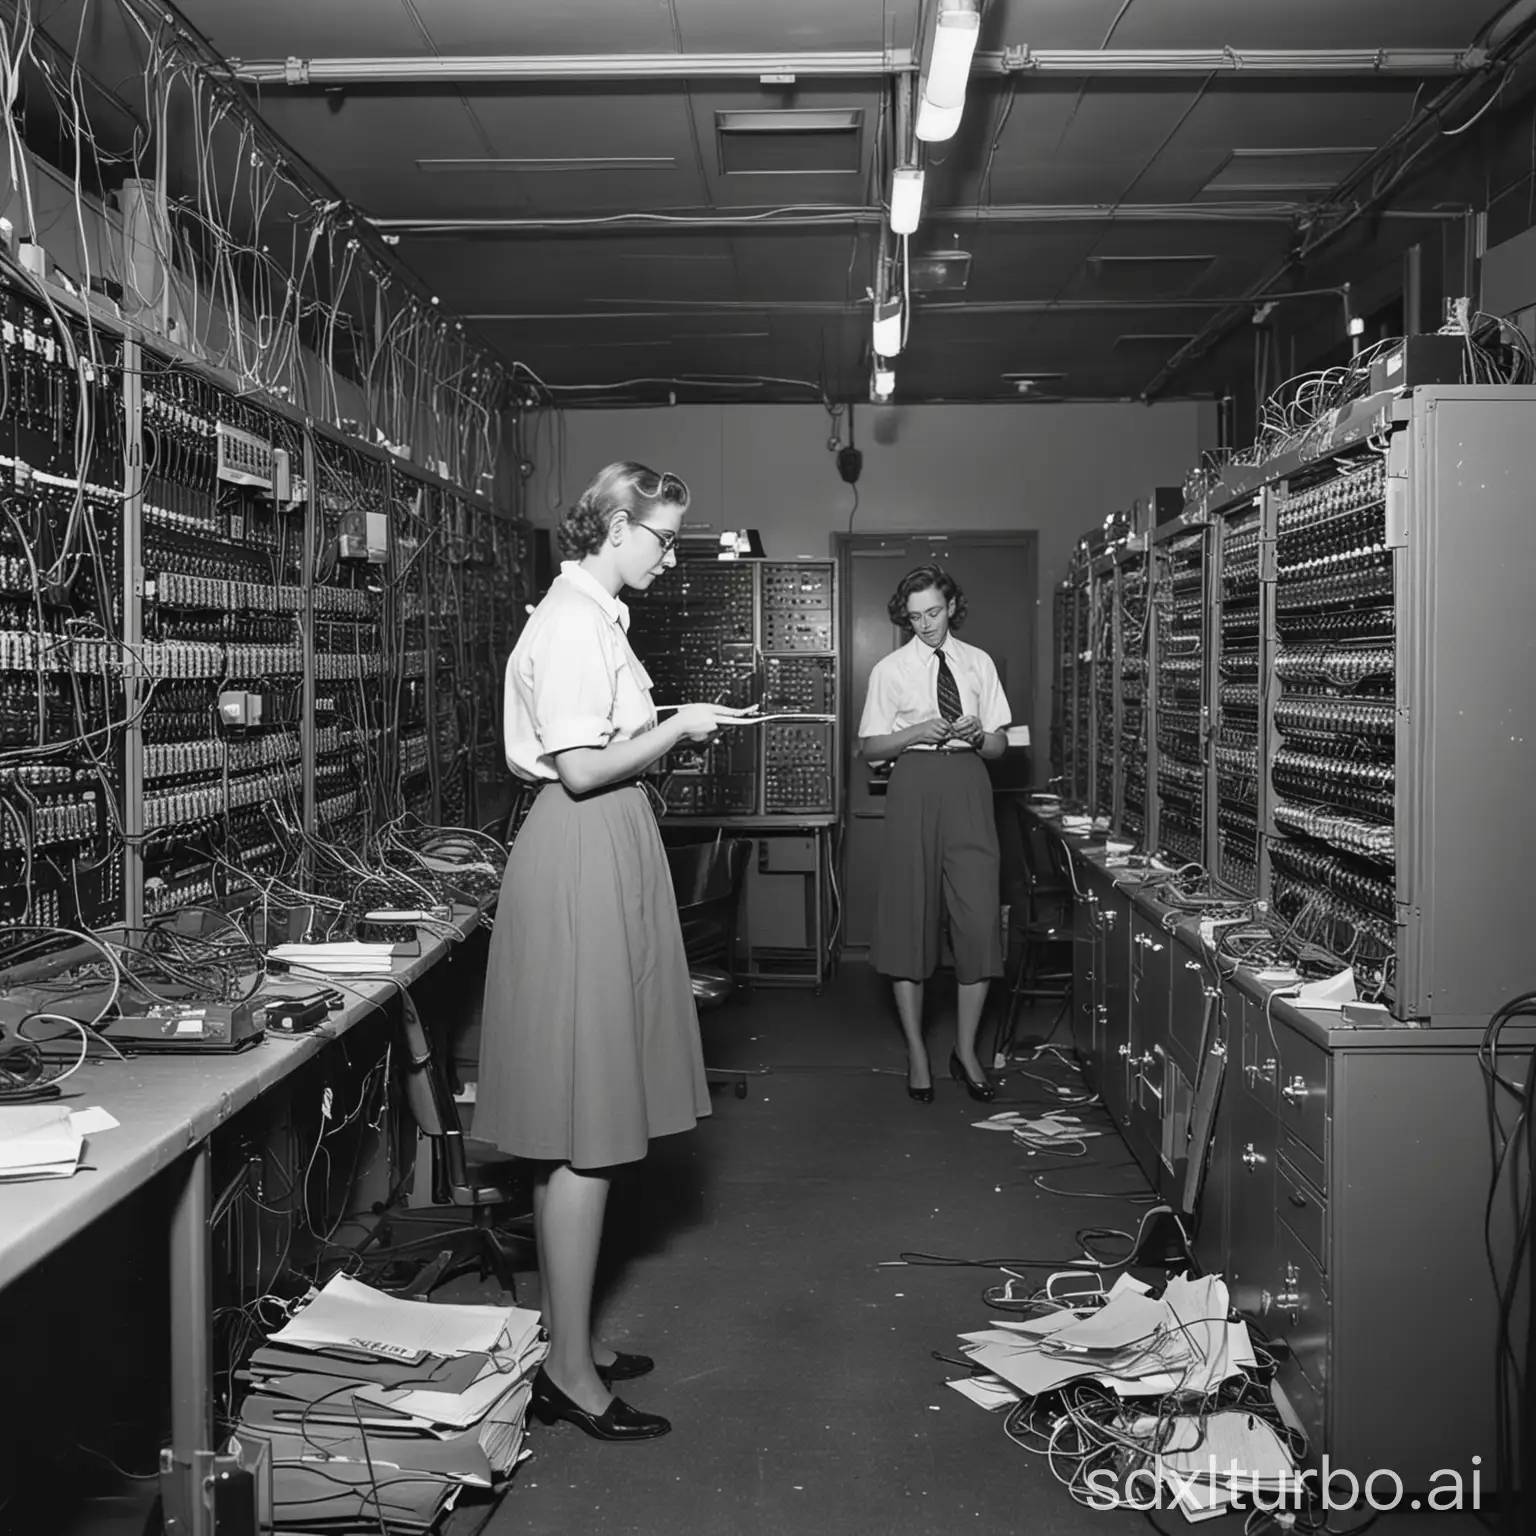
[{"x": 949, "y": 690}]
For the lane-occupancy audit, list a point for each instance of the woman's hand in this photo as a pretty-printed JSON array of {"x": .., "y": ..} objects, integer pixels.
[
  {"x": 968, "y": 729},
  {"x": 929, "y": 733},
  {"x": 695, "y": 722},
  {"x": 703, "y": 722}
]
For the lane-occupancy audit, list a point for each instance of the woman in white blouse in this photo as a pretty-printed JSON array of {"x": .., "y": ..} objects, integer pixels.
[
  {"x": 936, "y": 705},
  {"x": 590, "y": 1042}
]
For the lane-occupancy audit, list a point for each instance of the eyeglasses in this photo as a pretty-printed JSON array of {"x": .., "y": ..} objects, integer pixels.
[
  {"x": 668, "y": 541},
  {"x": 669, "y": 487}
]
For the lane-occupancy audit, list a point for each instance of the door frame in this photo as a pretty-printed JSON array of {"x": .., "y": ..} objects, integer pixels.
[{"x": 843, "y": 547}]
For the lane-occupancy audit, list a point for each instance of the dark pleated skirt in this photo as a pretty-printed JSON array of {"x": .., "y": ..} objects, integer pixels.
[
  {"x": 938, "y": 857},
  {"x": 590, "y": 1042}
]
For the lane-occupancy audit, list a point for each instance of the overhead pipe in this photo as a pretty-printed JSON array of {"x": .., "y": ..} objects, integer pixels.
[
  {"x": 1252, "y": 63},
  {"x": 838, "y": 217}
]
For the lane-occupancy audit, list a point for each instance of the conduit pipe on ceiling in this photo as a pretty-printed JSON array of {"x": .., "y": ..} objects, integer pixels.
[{"x": 1226, "y": 59}]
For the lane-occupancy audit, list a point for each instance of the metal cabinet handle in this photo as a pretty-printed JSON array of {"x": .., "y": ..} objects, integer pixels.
[
  {"x": 1192, "y": 965},
  {"x": 1296, "y": 1089},
  {"x": 1299, "y": 1201},
  {"x": 1251, "y": 1159}
]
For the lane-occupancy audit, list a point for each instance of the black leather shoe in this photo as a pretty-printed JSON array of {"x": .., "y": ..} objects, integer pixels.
[
  {"x": 983, "y": 1092},
  {"x": 625, "y": 1368},
  {"x": 618, "y": 1421},
  {"x": 920, "y": 1095}
]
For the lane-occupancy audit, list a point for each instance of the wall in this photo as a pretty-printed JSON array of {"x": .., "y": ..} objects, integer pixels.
[{"x": 1058, "y": 469}]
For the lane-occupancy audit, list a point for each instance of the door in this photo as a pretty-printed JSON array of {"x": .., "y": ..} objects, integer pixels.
[{"x": 996, "y": 571}]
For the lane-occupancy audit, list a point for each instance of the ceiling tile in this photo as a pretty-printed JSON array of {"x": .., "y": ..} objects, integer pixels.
[
  {"x": 574, "y": 274},
  {"x": 826, "y": 266},
  {"x": 568, "y": 26},
  {"x": 728, "y": 26},
  {"x": 280, "y": 29}
]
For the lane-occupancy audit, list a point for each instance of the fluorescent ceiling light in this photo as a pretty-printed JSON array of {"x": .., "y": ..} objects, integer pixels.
[
  {"x": 885, "y": 382},
  {"x": 949, "y": 68},
  {"x": 887, "y": 331},
  {"x": 936, "y": 124},
  {"x": 906, "y": 199}
]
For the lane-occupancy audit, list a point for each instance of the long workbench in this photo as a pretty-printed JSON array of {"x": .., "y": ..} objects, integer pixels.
[
  {"x": 1346, "y": 1168},
  {"x": 168, "y": 1106}
]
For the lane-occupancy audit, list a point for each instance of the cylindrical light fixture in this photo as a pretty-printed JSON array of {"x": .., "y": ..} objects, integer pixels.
[
  {"x": 949, "y": 68},
  {"x": 887, "y": 331},
  {"x": 885, "y": 380},
  {"x": 906, "y": 199}
]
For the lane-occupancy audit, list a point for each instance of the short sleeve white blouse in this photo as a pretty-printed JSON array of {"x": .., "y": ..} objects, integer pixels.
[{"x": 572, "y": 679}]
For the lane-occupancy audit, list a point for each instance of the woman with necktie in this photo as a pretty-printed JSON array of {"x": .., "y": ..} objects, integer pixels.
[{"x": 937, "y": 707}]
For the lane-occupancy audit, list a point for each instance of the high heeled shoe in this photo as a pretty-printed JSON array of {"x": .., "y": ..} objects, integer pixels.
[
  {"x": 624, "y": 1368},
  {"x": 920, "y": 1095},
  {"x": 983, "y": 1092},
  {"x": 618, "y": 1421}
]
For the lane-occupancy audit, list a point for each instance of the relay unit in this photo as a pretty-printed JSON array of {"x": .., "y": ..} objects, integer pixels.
[{"x": 743, "y": 632}]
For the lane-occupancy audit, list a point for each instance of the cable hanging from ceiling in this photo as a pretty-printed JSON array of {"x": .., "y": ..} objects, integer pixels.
[{"x": 255, "y": 264}]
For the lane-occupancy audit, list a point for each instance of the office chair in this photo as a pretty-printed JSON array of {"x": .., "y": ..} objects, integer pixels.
[
  {"x": 460, "y": 1181},
  {"x": 1046, "y": 934},
  {"x": 707, "y": 879}
]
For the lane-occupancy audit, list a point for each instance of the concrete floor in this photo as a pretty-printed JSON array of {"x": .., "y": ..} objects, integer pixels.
[{"x": 752, "y": 1259}]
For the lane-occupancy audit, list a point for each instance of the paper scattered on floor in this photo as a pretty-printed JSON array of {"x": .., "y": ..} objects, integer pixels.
[
  {"x": 1179, "y": 1345},
  {"x": 1038, "y": 1130},
  {"x": 1135, "y": 1343},
  {"x": 985, "y": 1391}
]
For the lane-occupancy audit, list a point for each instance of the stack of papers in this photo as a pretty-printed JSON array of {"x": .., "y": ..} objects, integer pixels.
[
  {"x": 376, "y": 1408},
  {"x": 45, "y": 1141},
  {"x": 1173, "y": 1346},
  {"x": 350, "y": 958}
]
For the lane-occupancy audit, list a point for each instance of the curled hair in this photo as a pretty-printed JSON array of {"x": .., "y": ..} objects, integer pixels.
[
  {"x": 621, "y": 487},
  {"x": 920, "y": 580}
]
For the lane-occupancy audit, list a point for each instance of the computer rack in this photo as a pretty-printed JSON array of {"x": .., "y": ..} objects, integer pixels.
[
  {"x": 1104, "y": 645},
  {"x": 1178, "y": 667},
  {"x": 217, "y": 622},
  {"x": 64, "y": 473},
  {"x": 743, "y": 632},
  {"x": 1374, "y": 725},
  {"x": 1133, "y": 623},
  {"x": 1333, "y": 810},
  {"x": 1061, "y": 684},
  {"x": 1080, "y": 727},
  {"x": 1243, "y": 677}
]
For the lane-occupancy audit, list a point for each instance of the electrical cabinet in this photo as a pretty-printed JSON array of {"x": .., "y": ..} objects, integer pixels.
[
  {"x": 228, "y": 634},
  {"x": 744, "y": 632},
  {"x": 1343, "y": 1198},
  {"x": 1337, "y": 719}
]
